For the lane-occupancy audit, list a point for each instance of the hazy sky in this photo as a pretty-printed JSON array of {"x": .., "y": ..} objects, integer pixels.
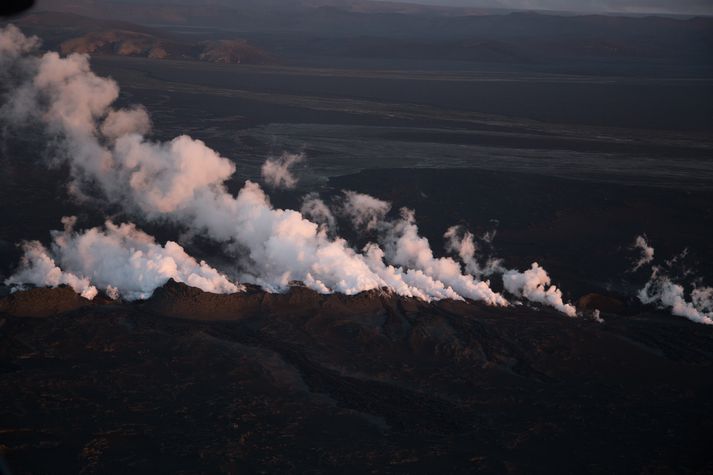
[
  {"x": 685, "y": 7},
  {"x": 704, "y": 7}
]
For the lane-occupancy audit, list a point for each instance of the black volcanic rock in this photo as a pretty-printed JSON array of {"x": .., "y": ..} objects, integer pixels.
[{"x": 603, "y": 303}]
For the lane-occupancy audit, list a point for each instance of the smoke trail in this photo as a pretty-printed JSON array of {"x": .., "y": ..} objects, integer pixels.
[
  {"x": 647, "y": 252},
  {"x": 276, "y": 171},
  {"x": 120, "y": 259}
]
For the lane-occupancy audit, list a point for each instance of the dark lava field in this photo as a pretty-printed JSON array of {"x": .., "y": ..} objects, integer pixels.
[{"x": 189, "y": 382}]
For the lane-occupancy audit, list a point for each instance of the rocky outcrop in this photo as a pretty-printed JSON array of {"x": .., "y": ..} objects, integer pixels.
[
  {"x": 178, "y": 300},
  {"x": 181, "y": 301},
  {"x": 232, "y": 52},
  {"x": 42, "y": 302}
]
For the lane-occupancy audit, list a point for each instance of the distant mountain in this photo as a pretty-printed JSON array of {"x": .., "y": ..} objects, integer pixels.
[
  {"x": 177, "y": 9},
  {"x": 131, "y": 43},
  {"x": 73, "y": 33},
  {"x": 335, "y": 31}
]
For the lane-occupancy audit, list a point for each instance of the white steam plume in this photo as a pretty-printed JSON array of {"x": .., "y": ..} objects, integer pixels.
[
  {"x": 14, "y": 43},
  {"x": 647, "y": 252},
  {"x": 411, "y": 282},
  {"x": 597, "y": 316},
  {"x": 119, "y": 258},
  {"x": 38, "y": 267},
  {"x": 702, "y": 298},
  {"x": 461, "y": 242},
  {"x": 119, "y": 123},
  {"x": 405, "y": 247},
  {"x": 534, "y": 285},
  {"x": 276, "y": 171},
  {"x": 316, "y": 210},
  {"x": 660, "y": 290},
  {"x": 364, "y": 211}
]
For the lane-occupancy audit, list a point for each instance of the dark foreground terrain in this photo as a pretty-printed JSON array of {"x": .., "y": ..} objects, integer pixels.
[{"x": 189, "y": 382}]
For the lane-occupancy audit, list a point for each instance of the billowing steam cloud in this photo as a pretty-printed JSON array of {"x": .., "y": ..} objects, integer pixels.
[
  {"x": 119, "y": 259},
  {"x": 14, "y": 43},
  {"x": 405, "y": 247},
  {"x": 534, "y": 285},
  {"x": 37, "y": 267},
  {"x": 364, "y": 211},
  {"x": 662, "y": 291},
  {"x": 183, "y": 181},
  {"x": 276, "y": 171}
]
